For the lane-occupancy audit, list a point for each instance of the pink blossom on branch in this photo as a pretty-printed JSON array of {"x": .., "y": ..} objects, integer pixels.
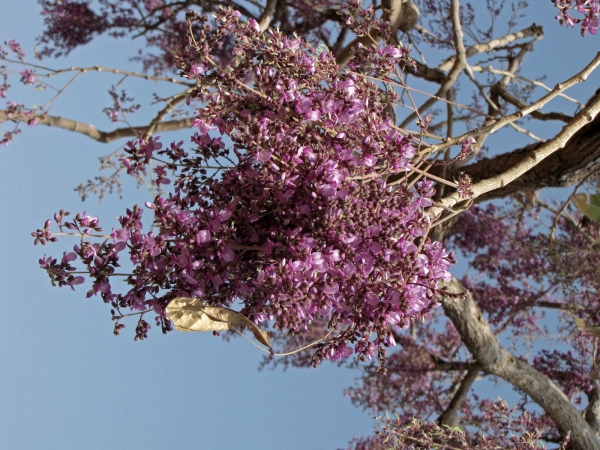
[
  {"x": 302, "y": 225},
  {"x": 280, "y": 203}
]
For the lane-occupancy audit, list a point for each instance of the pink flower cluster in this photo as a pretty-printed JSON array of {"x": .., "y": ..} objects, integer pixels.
[
  {"x": 590, "y": 9},
  {"x": 293, "y": 220}
]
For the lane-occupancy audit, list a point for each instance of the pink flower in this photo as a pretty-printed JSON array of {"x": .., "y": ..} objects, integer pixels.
[
  {"x": 203, "y": 236},
  {"x": 28, "y": 77},
  {"x": 122, "y": 234}
]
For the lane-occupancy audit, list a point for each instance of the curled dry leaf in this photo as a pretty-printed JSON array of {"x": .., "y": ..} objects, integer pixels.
[{"x": 192, "y": 314}]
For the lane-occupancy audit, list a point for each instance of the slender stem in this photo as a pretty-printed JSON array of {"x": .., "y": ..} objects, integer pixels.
[
  {"x": 433, "y": 177},
  {"x": 306, "y": 346},
  {"x": 108, "y": 275},
  {"x": 62, "y": 233},
  {"x": 132, "y": 314},
  {"x": 270, "y": 351},
  {"x": 54, "y": 72}
]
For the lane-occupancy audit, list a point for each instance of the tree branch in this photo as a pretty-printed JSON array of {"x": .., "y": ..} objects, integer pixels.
[
  {"x": 449, "y": 416},
  {"x": 486, "y": 47},
  {"x": 442, "y": 91},
  {"x": 461, "y": 52},
  {"x": 574, "y": 159},
  {"x": 266, "y": 17},
  {"x": 92, "y": 132},
  {"x": 483, "y": 344},
  {"x": 537, "y": 154},
  {"x": 54, "y": 72},
  {"x": 503, "y": 93},
  {"x": 151, "y": 128},
  {"x": 592, "y": 412},
  {"x": 490, "y": 69}
]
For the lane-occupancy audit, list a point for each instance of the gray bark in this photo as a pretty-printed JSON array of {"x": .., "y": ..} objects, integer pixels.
[{"x": 495, "y": 359}]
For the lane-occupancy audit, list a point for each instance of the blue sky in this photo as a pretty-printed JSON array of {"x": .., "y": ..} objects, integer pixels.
[{"x": 66, "y": 382}]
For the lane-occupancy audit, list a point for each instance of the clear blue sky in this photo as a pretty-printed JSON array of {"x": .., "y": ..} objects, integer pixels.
[{"x": 67, "y": 383}]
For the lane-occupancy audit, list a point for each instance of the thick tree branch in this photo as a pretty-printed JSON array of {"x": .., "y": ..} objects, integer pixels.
[
  {"x": 451, "y": 366},
  {"x": 483, "y": 344},
  {"x": 592, "y": 412},
  {"x": 266, "y": 17},
  {"x": 430, "y": 74},
  {"x": 541, "y": 151},
  {"x": 575, "y": 158}
]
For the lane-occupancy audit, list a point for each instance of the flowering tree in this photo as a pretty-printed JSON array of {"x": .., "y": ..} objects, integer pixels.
[{"x": 317, "y": 204}]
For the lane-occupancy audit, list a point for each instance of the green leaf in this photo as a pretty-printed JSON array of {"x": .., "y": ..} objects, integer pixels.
[
  {"x": 595, "y": 200},
  {"x": 591, "y": 211}
]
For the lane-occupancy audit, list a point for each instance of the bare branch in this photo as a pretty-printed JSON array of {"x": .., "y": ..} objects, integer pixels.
[
  {"x": 449, "y": 416},
  {"x": 92, "y": 132},
  {"x": 461, "y": 53},
  {"x": 178, "y": 98},
  {"x": 526, "y": 132},
  {"x": 573, "y": 152},
  {"x": 502, "y": 92},
  {"x": 442, "y": 91},
  {"x": 54, "y": 72},
  {"x": 592, "y": 412},
  {"x": 561, "y": 87},
  {"x": 491, "y": 69},
  {"x": 266, "y": 17},
  {"x": 533, "y": 30}
]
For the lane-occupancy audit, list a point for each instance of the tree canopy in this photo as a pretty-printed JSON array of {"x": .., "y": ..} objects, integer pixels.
[{"x": 336, "y": 167}]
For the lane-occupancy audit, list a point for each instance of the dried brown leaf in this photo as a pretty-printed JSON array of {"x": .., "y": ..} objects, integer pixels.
[{"x": 192, "y": 314}]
